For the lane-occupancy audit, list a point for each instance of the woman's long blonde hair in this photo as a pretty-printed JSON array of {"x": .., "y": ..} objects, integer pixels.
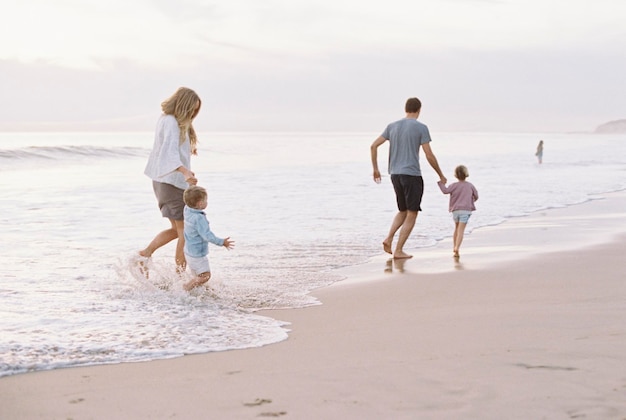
[{"x": 182, "y": 105}]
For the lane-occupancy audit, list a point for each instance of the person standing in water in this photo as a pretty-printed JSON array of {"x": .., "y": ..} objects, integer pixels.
[
  {"x": 406, "y": 137},
  {"x": 539, "y": 152},
  {"x": 169, "y": 167}
]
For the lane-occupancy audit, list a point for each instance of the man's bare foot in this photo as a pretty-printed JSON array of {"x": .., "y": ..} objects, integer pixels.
[
  {"x": 401, "y": 256},
  {"x": 387, "y": 247}
]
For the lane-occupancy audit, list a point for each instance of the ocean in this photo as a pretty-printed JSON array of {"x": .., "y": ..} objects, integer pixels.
[{"x": 300, "y": 206}]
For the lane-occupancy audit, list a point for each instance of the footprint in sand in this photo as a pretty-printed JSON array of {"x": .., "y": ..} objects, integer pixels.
[{"x": 258, "y": 401}]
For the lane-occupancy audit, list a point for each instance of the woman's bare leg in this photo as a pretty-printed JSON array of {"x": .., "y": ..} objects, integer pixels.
[
  {"x": 161, "y": 239},
  {"x": 181, "y": 263}
]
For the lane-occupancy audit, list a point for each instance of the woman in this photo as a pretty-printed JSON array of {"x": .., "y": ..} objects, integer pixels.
[{"x": 170, "y": 170}]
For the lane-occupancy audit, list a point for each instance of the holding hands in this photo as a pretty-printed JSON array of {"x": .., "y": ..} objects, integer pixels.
[{"x": 190, "y": 177}]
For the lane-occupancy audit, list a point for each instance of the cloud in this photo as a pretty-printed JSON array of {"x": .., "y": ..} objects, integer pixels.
[
  {"x": 509, "y": 90},
  {"x": 284, "y": 65}
]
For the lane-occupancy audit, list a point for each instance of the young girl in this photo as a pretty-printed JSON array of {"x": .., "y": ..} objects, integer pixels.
[{"x": 462, "y": 197}]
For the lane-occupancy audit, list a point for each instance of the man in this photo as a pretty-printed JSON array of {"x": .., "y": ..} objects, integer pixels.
[{"x": 405, "y": 137}]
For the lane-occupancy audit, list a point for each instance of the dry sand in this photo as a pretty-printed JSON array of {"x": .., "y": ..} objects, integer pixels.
[{"x": 531, "y": 324}]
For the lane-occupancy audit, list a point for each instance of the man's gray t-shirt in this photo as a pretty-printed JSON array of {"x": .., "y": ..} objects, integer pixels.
[{"x": 405, "y": 138}]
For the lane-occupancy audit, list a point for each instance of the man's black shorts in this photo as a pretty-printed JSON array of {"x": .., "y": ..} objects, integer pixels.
[{"x": 409, "y": 191}]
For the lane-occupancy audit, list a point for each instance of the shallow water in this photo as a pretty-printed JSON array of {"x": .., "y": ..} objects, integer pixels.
[{"x": 299, "y": 205}]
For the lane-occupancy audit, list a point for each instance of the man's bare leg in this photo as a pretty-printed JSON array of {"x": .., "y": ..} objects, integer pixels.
[
  {"x": 405, "y": 231},
  {"x": 397, "y": 222}
]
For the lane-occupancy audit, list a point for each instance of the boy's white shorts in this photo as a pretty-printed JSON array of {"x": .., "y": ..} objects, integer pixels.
[{"x": 198, "y": 265}]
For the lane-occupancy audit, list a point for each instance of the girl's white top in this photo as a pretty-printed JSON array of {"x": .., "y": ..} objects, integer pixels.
[{"x": 169, "y": 154}]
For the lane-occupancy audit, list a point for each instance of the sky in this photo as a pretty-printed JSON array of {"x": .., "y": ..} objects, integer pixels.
[{"x": 314, "y": 65}]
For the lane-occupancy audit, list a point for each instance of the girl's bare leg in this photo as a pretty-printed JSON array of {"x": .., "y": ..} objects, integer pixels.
[
  {"x": 455, "y": 248},
  {"x": 458, "y": 237}
]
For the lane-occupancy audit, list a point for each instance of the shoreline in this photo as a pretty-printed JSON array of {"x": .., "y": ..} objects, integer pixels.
[
  {"x": 530, "y": 326},
  {"x": 568, "y": 228}
]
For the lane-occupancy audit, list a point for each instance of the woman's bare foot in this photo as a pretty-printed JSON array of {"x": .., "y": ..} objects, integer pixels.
[
  {"x": 387, "y": 247},
  {"x": 142, "y": 262},
  {"x": 456, "y": 254}
]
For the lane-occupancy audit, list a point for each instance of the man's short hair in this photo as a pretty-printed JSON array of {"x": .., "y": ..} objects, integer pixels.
[{"x": 413, "y": 105}]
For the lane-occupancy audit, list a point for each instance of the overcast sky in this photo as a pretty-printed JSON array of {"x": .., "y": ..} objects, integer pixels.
[{"x": 331, "y": 65}]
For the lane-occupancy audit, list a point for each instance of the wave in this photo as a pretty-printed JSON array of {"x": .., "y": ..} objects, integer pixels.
[{"x": 67, "y": 153}]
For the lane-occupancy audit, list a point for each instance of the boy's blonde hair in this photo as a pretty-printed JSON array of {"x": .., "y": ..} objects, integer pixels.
[
  {"x": 461, "y": 172},
  {"x": 193, "y": 195},
  {"x": 182, "y": 105}
]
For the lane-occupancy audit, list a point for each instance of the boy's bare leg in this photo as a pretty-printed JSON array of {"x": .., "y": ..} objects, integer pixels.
[
  {"x": 397, "y": 222},
  {"x": 405, "y": 231},
  {"x": 198, "y": 281}
]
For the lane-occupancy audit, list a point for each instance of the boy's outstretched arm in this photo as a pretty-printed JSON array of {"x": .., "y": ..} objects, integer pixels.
[{"x": 228, "y": 243}]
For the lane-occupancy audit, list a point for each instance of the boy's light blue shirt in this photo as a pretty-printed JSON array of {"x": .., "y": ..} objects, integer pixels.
[{"x": 198, "y": 233}]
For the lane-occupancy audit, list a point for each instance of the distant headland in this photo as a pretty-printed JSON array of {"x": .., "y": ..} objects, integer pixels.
[{"x": 613, "y": 127}]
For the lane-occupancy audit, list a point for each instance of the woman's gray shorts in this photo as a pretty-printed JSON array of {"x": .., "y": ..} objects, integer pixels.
[{"x": 170, "y": 199}]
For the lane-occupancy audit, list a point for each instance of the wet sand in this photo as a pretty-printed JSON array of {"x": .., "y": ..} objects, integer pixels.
[{"x": 528, "y": 324}]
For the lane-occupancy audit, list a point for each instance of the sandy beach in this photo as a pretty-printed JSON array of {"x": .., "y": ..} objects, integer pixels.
[{"x": 529, "y": 324}]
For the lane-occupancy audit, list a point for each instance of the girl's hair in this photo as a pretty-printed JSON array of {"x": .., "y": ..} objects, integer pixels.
[
  {"x": 182, "y": 105},
  {"x": 193, "y": 195},
  {"x": 461, "y": 172}
]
